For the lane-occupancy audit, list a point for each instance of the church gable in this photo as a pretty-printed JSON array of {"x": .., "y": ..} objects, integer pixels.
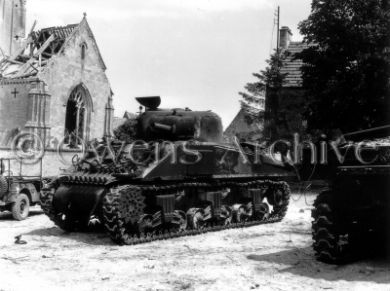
[
  {"x": 37, "y": 51},
  {"x": 77, "y": 70},
  {"x": 74, "y": 94},
  {"x": 81, "y": 47}
]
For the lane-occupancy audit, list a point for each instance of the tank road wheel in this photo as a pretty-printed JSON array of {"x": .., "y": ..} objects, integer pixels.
[
  {"x": 243, "y": 212},
  {"x": 21, "y": 207},
  {"x": 331, "y": 244},
  {"x": 123, "y": 207},
  {"x": 279, "y": 198},
  {"x": 180, "y": 221},
  {"x": 262, "y": 211},
  {"x": 226, "y": 215},
  {"x": 196, "y": 218}
]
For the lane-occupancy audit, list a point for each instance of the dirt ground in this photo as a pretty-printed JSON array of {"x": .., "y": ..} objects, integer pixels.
[{"x": 268, "y": 257}]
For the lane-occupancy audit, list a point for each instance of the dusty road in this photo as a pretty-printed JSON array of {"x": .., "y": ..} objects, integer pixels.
[{"x": 268, "y": 257}]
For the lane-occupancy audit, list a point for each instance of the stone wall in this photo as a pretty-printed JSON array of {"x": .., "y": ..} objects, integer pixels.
[
  {"x": 13, "y": 110},
  {"x": 245, "y": 127},
  {"x": 52, "y": 88},
  {"x": 63, "y": 73},
  {"x": 66, "y": 70}
]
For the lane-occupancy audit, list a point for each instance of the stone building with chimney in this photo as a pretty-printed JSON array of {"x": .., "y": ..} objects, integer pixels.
[
  {"x": 246, "y": 125},
  {"x": 284, "y": 114},
  {"x": 53, "y": 85}
]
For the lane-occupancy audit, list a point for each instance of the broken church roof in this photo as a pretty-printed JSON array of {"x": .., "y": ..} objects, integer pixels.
[
  {"x": 60, "y": 32},
  {"x": 38, "y": 49}
]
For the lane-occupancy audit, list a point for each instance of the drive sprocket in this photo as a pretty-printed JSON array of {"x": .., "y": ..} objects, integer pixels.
[
  {"x": 123, "y": 207},
  {"x": 131, "y": 204}
]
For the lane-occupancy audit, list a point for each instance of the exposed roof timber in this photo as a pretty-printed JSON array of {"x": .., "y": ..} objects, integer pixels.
[
  {"x": 24, "y": 68},
  {"x": 45, "y": 45}
]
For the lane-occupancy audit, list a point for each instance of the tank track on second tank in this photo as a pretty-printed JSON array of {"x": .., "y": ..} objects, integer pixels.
[{"x": 115, "y": 221}]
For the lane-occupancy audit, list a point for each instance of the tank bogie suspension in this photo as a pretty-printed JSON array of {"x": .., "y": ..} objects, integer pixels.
[
  {"x": 135, "y": 214},
  {"x": 152, "y": 213}
]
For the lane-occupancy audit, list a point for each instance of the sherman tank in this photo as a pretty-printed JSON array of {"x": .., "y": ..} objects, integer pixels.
[
  {"x": 351, "y": 218},
  {"x": 171, "y": 175}
]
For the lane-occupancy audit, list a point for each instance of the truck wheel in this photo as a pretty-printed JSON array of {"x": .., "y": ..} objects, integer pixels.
[
  {"x": 3, "y": 186},
  {"x": 332, "y": 244},
  {"x": 21, "y": 207}
]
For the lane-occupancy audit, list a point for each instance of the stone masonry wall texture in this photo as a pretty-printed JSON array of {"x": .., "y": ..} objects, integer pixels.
[{"x": 63, "y": 73}]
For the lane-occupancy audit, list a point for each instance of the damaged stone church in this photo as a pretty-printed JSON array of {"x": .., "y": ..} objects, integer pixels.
[{"x": 53, "y": 83}]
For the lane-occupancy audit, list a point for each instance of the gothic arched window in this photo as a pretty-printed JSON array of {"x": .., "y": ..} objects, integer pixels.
[
  {"x": 83, "y": 51},
  {"x": 77, "y": 119}
]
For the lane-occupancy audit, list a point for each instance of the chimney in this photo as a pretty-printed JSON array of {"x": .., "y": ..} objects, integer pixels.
[{"x": 285, "y": 37}]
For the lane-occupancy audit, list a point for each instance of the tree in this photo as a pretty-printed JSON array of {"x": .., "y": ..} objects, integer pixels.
[
  {"x": 346, "y": 69},
  {"x": 269, "y": 84}
]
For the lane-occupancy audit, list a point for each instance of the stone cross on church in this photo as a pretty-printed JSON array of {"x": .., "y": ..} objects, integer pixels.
[{"x": 14, "y": 92}]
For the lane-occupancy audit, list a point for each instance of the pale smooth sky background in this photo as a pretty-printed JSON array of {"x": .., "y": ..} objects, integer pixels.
[{"x": 193, "y": 53}]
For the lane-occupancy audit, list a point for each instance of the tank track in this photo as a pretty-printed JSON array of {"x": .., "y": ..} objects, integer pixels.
[
  {"x": 46, "y": 198},
  {"x": 117, "y": 226},
  {"x": 331, "y": 243},
  {"x": 116, "y": 213}
]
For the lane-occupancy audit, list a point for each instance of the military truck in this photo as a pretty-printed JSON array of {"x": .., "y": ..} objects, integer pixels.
[{"x": 18, "y": 191}]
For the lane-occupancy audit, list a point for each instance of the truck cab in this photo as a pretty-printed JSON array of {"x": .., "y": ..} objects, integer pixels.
[{"x": 18, "y": 191}]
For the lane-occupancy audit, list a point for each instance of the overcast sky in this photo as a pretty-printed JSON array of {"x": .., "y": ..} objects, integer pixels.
[{"x": 193, "y": 53}]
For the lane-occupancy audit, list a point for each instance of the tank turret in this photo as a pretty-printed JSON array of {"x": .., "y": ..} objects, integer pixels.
[{"x": 177, "y": 124}]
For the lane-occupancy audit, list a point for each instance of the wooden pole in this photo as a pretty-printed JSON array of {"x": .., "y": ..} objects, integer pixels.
[{"x": 278, "y": 30}]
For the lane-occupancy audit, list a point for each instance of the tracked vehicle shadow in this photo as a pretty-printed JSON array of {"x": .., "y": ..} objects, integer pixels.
[
  {"x": 301, "y": 261},
  {"x": 94, "y": 236}
]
